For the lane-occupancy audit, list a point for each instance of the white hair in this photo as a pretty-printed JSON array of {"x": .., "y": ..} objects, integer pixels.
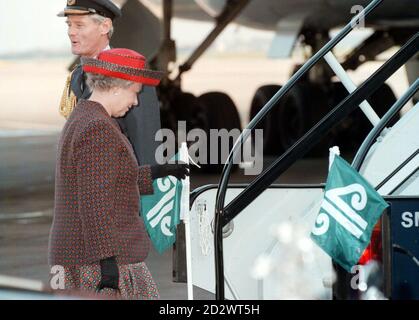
[
  {"x": 105, "y": 83},
  {"x": 100, "y": 19}
]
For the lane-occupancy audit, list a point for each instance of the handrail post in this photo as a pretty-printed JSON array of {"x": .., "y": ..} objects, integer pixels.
[
  {"x": 218, "y": 254},
  {"x": 351, "y": 87}
]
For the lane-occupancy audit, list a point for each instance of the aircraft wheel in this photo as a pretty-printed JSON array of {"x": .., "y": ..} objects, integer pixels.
[
  {"x": 382, "y": 100},
  {"x": 221, "y": 114},
  {"x": 187, "y": 107},
  {"x": 300, "y": 109},
  {"x": 261, "y": 97},
  {"x": 353, "y": 130}
]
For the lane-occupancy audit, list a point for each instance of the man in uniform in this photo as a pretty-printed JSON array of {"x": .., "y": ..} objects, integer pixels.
[{"x": 90, "y": 28}]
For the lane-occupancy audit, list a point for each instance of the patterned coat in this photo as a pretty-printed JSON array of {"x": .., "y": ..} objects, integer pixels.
[{"x": 97, "y": 187}]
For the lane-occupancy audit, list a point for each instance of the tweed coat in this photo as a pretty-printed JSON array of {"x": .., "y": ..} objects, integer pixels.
[{"x": 97, "y": 188}]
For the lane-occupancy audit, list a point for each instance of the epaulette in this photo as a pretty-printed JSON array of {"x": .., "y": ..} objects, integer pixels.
[{"x": 68, "y": 99}]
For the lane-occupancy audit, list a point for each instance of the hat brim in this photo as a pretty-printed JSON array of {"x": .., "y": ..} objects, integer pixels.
[
  {"x": 67, "y": 12},
  {"x": 144, "y": 76}
]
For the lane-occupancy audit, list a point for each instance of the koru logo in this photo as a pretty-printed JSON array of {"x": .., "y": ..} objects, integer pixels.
[
  {"x": 347, "y": 216},
  {"x": 158, "y": 214}
]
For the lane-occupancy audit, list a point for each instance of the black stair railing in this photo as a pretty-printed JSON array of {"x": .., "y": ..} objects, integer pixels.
[
  {"x": 224, "y": 214},
  {"x": 385, "y": 120}
]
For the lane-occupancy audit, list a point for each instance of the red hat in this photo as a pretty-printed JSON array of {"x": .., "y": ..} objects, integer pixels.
[{"x": 124, "y": 64}]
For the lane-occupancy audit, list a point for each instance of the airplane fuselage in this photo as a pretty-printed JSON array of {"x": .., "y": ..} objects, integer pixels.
[{"x": 320, "y": 14}]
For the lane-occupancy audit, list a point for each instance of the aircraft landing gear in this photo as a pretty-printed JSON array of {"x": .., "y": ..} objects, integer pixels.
[
  {"x": 211, "y": 110},
  {"x": 296, "y": 113},
  {"x": 221, "y": 114},
  {"x": 350, "y": 133},
  {"x": 269, "y": 126},
  {"x": 299, "y": 111},
  {"x": 304, "y": 106}
]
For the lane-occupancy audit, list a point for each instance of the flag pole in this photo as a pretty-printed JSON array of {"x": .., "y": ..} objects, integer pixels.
[
  {"x": 184, "y": 156},
  {"x": 188, "y": 257}
]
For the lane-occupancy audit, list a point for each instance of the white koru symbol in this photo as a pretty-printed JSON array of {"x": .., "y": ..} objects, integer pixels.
[
  {"x": 157, "y": 215},
  {"x": 346, "y": 216}
]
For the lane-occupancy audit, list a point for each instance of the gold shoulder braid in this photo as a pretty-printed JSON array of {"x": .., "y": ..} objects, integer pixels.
[{"x": 68, "y": 99}]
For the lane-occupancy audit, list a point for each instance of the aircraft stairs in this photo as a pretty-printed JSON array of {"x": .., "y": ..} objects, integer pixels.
[{"x": 252, "y": 241}]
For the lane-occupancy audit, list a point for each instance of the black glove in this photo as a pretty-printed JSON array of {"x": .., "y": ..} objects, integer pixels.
[
  {"x": 179, "y": 170},
  {"x": 109, "y": 274}
]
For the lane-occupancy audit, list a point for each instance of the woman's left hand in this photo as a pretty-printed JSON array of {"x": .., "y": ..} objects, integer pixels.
[
  {"x": 179, "y": 170},
  {"x": 109, "y": 274}
]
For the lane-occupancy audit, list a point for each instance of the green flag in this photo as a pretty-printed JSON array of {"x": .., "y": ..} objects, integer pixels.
[
  {"x": 348, "y": 213},
  {"x": 161, "y": 211}
]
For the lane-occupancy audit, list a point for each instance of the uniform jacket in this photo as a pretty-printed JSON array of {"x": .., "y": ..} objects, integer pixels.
[{"x": 97, "y": 187}]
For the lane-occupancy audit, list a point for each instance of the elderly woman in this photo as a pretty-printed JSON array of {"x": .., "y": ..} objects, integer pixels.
[{"x": 97, "y": 234}]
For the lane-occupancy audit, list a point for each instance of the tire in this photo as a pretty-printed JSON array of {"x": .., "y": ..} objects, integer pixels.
[
  {"x": 382, "y": 100},
  {"x": 300, "y": 109},
  {"x": 221, "y": 113},
  {"x": 352, "y": 131},
  {"x": 260, "y": 98},
  {"x": 189, "y": 108}
]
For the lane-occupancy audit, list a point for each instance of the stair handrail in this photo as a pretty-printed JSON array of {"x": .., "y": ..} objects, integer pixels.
[
  {"x": 225, "y": 175},
  {"x": 344, "y": 108},
  {"x": 382, "y": 124}
]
